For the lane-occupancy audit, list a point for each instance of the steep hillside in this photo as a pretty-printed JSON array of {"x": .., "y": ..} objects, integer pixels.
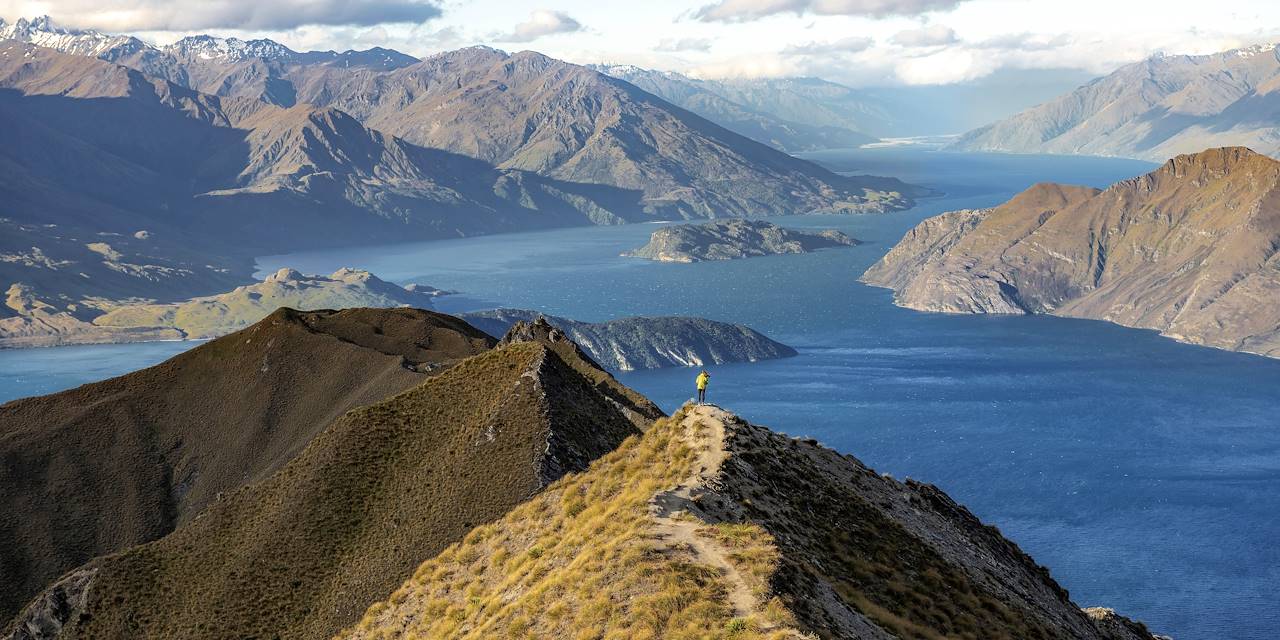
[
  {"x": 627, "y": 344},
  {"x": 303, "y": 552},
  {"x": 709, "y": 527},
  {"x": 152, "y": 190},
  {"x": 523, "y": 111},
  {"x": 766, "y": 120},
  {"x": 1189, "y": 250},
  {"x": 527, "y": 111},
  {"x": 97, "y": 469},
  {"x": 733, "y": 239},
  {"x": 1154, "y": 109}
]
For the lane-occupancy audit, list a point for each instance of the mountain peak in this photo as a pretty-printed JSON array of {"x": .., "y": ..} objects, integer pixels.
[
  {"x": 1254, "y": 50},
  {"x": 43, "y": 31},
  {"x": 206, "y": 47},
  {"x": 1216, "y": 162}
]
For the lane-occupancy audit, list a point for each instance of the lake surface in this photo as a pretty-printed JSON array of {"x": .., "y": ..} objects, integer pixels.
[{"x": 1143, "y": 472}]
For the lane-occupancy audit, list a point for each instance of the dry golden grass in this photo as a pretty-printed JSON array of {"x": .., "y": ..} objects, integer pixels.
[{"x": 581, "y": 561}]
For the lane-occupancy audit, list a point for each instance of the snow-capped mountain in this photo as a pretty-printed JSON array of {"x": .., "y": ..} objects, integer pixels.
[
  {"x": 228, "y": 49},
  {"x": 84, "y": 42},
  {"x": 167, "y": 61}
]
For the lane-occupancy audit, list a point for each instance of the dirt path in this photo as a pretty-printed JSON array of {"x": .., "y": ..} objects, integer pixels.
[{"x": 703, "y": 429}]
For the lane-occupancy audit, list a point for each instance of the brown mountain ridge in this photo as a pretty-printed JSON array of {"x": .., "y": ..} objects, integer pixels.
[
  {"x": 1189, "y": 250},
  {"x": 109, "y": 465}
]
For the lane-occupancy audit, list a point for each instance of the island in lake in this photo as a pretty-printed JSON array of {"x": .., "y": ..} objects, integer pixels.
[{"x": 733, "y": 239}]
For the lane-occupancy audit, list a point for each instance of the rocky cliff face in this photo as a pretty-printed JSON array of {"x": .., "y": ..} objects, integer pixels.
[
  {"x": 628, "y": 344},
  {"x": 732, "y": 239},
  {"x": 1154, "y": 109},
  {"x": 1189, "y": 250},
  {"x": 707, "y": 526}
]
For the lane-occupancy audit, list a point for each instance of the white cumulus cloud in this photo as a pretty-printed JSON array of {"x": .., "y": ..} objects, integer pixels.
[
  {"x": 542, "y": 22},
  {"x": 852, "y": 44},
  {"x": 675, "y": 45},
  {"x": 934, "y": 35}
]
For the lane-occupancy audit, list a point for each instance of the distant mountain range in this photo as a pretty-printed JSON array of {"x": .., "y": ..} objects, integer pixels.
[
  {"x": 1189, "y": 250},
  {"x": 158, "y": 172},
  {"x": 1153, "y": 110},
  {"x": 791, "y": 114}
]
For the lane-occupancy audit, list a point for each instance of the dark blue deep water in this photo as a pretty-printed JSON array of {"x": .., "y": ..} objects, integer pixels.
[{"x": 1143, "y": 472}]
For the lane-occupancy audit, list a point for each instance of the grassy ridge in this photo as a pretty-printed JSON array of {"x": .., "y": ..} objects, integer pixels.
[
  {"x": 304, "y": 553},
  {"x": 582, "y": 560}
]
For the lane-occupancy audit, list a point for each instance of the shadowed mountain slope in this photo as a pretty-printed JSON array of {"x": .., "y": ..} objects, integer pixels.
[
  {"x": 521, "y": 111},
  {"x": 108, "y": 465},
  {"x": 708, "y": 527},
  {"x": 1189, "y": 250},
  {"x": 155, "y": 191},
  {"x": 528, "y": 111},
  {"x": 303, "y": 552}
]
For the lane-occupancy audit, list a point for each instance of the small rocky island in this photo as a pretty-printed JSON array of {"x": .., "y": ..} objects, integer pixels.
[
  {"x": 733, "y": 239},
  {"x": 628, "y": 344}
]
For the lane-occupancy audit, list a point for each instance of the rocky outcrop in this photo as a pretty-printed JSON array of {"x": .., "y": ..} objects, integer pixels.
[
  {"x": 61, "y": 604},
  {"x": 1188, "y": 250},
  {"x": 732, "y": 239},
  {"x": 629, "y": 344},
  {"x": 755, "y": 535},
  {"x": 1154, "y": 109}
]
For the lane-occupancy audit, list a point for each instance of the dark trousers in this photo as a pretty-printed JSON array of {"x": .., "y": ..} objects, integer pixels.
[{"x": 702, "y": 395}]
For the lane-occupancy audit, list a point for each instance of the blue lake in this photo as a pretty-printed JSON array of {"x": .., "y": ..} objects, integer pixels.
[{"x": 1143, "y": 472}]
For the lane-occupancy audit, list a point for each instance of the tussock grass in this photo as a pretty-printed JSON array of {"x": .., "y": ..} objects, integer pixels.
[{"x": 581, "y": 561}]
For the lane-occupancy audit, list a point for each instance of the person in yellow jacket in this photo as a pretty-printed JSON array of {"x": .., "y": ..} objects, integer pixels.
[{"x": 702, "y": 385}]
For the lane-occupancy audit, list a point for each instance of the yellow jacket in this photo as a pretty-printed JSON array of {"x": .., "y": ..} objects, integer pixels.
[{"x": 702, "y": 380}]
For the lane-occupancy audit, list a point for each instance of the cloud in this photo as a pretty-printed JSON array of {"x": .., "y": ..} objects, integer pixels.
[
  {"x": 934, "y": 35},
  {"x": 1024, "y": 42},
  {"x": 852, "y": 44},
  {"x": 672, "y": 45},
  {"x": 541, "y": 22},
  {"x": 176, "y": 15},
  {"x": 744, "y": 10}
]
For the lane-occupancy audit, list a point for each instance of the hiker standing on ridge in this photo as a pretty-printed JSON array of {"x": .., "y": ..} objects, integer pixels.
[{"x": 702, "y": 386}]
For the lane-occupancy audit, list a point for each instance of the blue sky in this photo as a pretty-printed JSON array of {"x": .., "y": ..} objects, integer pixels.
[{"x": 858, "y": 42}]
